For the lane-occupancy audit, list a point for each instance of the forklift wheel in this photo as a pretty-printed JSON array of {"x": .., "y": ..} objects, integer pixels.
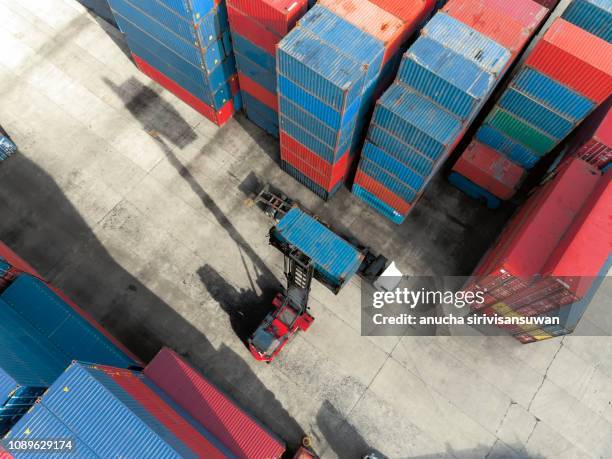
[{"x": 306, "y": 441}]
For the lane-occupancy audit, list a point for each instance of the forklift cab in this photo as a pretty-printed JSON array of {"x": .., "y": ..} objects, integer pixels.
[{"x": 288, "y": 316}]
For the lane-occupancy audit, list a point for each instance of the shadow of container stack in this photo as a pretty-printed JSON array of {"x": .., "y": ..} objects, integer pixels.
[
  {"x": 184, "y": 46},
  {"x": 331, "y": 68},
  {"x": 566, "y": 76},
  {"x": 445, "y": 78}
]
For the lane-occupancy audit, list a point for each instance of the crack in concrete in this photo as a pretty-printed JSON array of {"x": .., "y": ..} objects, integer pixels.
[{"x": 545, "y": 375}]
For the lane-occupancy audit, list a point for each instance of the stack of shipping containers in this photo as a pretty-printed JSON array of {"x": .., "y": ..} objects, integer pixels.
[
  {"x": 331, "y": 68},
  {"x": 168, "y": 410},
  {"x": 552, "y": 256},
  {"x": 113, "y": 412},
  {"x": 41, "y": 333},
  {"x": 257, "y": 27},
  {"x": 184, "y": 46},
  {"x": 443, "y": 81},
  {"x": 565, "y": 77},
  {"x": 63, "y": 376},
  {"x": 594, "y": 16}
]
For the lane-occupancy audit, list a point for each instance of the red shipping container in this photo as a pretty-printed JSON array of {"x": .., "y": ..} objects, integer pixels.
[
  {"x": 587, "y": 244},
  {"x": 575, "y": 58},
  {"x": 530, "y": 238},
  {"x": 253, "y": 31},
  {"x": 529, "y": 14},
  {"x": 593, "y": 142},
  {"x": 278, "y": 16},
  {"x": 218, "y": 117},
  {"x": 310, "y": 157},
  {"x": 382, "y": 192},
  {"x": 486, "y": 17},
  {"x": 490, "y": 170},
  {"x": 238, "y": 431},
  {"x": 325, "y": 181},
  {"x": 163, "y": 412},
  {"x": 259, "y": 92},
  {"x": 312, "y": 165},
  {"x": 390, "y": 21}
]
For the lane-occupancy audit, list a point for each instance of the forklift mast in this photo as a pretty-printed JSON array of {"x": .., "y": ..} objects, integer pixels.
[{"x": 299, "y": 271}]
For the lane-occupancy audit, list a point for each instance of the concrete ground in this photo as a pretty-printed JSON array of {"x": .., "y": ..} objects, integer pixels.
[{"x": 133, "y": 204}]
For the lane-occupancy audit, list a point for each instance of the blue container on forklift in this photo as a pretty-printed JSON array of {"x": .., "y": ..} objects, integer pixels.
[{"x": 335, "y": 260}]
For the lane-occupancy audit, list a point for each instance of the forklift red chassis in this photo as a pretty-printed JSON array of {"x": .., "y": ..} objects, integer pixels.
[{"x": 290, "y": 313}]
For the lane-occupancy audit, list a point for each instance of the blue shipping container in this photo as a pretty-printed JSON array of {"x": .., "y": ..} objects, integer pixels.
[
  {"x": 510, "y": 148},
  {"x": 378, "y": 205},
  {"x": 550, "y": 93},
  {"x": 356, "y": 43},
  {"x": 335, "y": 260},
  {"x": 260, "y": 114},
  {"x": 395, "y": 147},
  {"x": 454, "y": 65},
  {"x": 394, "y": 167},
  {"x": 324, "y": 69},
  {"x": 88, "y": 402},
  {"x": 535, "y": 114},
  {"x": 61, "y": 324},
  {"x": 474, "y": 191},
  {"x": 417, "y": 121}
]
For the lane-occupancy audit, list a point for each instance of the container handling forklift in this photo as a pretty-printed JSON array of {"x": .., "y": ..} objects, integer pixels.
[
  {"x": 290, "y": 312},
  {"x": 311, "y": 250}
]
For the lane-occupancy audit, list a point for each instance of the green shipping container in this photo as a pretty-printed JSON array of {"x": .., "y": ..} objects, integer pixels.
[{"x": 522, "y": 132}]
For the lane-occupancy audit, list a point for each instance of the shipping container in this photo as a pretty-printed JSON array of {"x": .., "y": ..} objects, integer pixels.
[
  {"x": 444, "y": 79},
  {"x": 29, "y": 363},
  {"x": 571, "y": 273},
  {"x": 552, "y": 94},
  {"x": 326, "y": 92},
  {"x": 574, "y": 58},
  {"x": 88, "y": 400},
  {"x": 219, "y": 117},
  {"x": 257, "y": 28},
  {"x": 594, "y": 16},
  {"x": 372, "y": 193},
  {"x": 278, "y": 16},
  {"x": 490, "y": 170},
  {"x": 587, "y": 244},
  {"x": 184, "y": 46},
  {"x": 386, "y": 20},
  {"x": 76, "y": 336},
  {"x": 474, "y": 190},
  {"x": 545, "y": 101},
  {"x": 335, "y": 260},
  {"x": 535, "y": 231},
  {"x": 453, "y": 65},
  {"x": 510, "y": 27},
  {"x": 241, "y": 433},
  {"x": 313, "y": 186}
]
